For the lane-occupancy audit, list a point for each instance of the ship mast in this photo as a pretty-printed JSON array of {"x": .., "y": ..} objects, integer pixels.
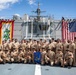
[{"x": 38, "y": 12}]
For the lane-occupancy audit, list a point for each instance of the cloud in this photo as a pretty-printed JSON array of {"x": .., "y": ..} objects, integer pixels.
[
  {"x": 31, "y": 2},
  {"x": 2, "y": 17},
  {"x": 6, "y": 3}
]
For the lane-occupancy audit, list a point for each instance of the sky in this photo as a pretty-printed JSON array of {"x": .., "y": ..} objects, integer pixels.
[{"x": 54, "y": 8}]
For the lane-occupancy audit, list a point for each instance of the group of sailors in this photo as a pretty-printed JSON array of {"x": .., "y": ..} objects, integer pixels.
[{"x": 52, "y": 52}]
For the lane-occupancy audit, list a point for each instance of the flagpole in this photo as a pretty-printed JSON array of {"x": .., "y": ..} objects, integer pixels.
[
  {"x": 62, "y": 29},
  {"x": 31, "y": 29}
]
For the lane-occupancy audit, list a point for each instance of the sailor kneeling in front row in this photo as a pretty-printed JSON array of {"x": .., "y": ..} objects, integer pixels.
[
  {"x": 49, "y": 57},
  {"x": 59, "y": 57},
  {"x": 69, "y": 58}
]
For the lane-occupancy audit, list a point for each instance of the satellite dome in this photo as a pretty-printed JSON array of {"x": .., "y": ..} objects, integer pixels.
[{"x": 16, "y": 17}]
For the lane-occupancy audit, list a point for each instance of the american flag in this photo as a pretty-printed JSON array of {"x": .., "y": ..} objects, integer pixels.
[{"x": 68, "y": 30}]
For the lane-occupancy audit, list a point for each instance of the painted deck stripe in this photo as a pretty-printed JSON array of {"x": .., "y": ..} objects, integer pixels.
[{"x": 38, "y": 69}]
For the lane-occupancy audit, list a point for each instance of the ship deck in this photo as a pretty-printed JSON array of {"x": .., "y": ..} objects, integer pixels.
[{"x": 34, "y": 69}]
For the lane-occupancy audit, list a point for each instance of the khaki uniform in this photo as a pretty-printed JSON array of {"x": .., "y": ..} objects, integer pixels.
[
  {"x": 51, "y": 46},
  {"x": 10, "y": 45},
  {"x": 14, "y": 54},
  {"x": 25, "y": 57},
  {"x": 65, "y": 45},
  {"x": 6, "y": 55},
  {"x": 43, "y": 51},
  {"x": 69, "y": 58},
  {"x": 5, "y": 45},
  {"x": 75, "y": 44},
  {"x": 21, "y": 55},
  {"x": 59, "y": 45},
  {"x": 23, "y": 46},
  {"x": 72, "y": 47},
  {"x": 16, "y": 44},
  {"x": 59, "y": 57},
  {"x": 45, "y": 43},
  {"x": 54, "y": 43},
  {"x": 1, "y": 53},
  {"x": 49, "y": 57},
  {"x": 75, "y": 54},
  {"x": 29, "y": 56}
]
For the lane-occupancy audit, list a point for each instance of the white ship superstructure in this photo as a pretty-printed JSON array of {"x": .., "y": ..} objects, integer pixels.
[{"x": 36, "y": 27}]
